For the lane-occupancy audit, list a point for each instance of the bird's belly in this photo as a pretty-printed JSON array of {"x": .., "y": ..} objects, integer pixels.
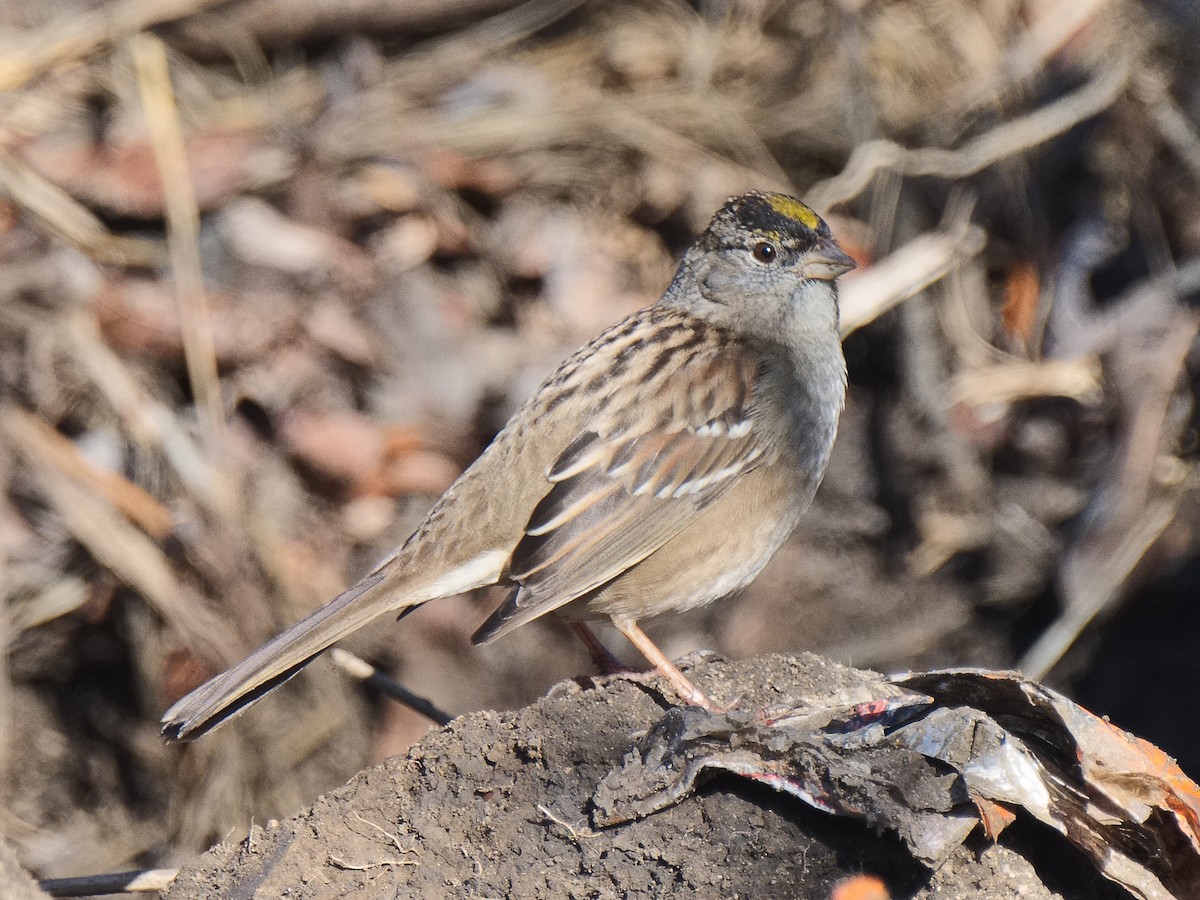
[{"x": 704, "y": 563}]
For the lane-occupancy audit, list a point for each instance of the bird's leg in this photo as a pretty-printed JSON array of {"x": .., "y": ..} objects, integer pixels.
[
  {"x": 688, "y": 692},
  {"x": 602, "y": 658},
  {"x": 608, "y": 664}
]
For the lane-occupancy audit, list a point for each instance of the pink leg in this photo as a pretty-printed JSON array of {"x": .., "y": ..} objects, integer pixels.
[{"x": 688, "y": 692}]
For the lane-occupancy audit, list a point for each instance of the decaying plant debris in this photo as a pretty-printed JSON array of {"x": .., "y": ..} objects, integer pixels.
[{"x": 271, "y": 279}]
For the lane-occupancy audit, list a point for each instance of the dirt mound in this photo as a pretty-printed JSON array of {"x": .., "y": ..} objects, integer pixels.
[{"x": 499, "y": 804}]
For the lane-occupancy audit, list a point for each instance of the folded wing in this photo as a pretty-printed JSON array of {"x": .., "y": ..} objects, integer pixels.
[{"x": 641, "y": 474}]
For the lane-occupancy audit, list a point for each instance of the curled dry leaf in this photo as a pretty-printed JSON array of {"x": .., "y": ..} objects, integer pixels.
[
  {"x": 344, "y": 447},
  {"x": 1022, "y": 290},
  {"x": 455, "y": 171},
  {"x": 121, "y": 177},
  {"x": 335, "y": 328},
  {"x": 951, "y": 750},
  {"x": 406, "y": 244},
  {"x": 141, "y": 317},
  {"x": 364, "y": 457},
  {"x": 377, "y": 188},
  {"x": 259, "y": 234}
]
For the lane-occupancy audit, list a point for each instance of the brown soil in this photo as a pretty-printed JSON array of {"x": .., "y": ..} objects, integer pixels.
[{"x": 498, "y": 804}]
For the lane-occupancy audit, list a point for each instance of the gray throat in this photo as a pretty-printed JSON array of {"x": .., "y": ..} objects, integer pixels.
[{"x": 809, "y": 383}]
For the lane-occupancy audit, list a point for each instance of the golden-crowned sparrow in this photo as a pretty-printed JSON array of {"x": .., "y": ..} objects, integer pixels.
[{"x": 657, "y": 469}]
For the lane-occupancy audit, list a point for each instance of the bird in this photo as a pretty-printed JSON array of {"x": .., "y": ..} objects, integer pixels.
[{"x": 657, "y": 470}]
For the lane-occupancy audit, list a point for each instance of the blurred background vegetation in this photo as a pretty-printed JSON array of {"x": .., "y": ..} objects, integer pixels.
[{"x": 272, "y": 272}]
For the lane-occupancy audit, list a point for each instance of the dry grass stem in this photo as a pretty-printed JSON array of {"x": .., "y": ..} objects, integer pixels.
[
  {"x": 1054, "y": 25},
  {"x": 183, "y": 241},
  {"x": 1177, "y": 129},
  {"x": 1104, "y": 581},
  {"x": 78, "y": 35},
  {"x": 147, "y": 420},
  {"x": 904, "y": 273},
  {"x": 1017, "y": 379},
  {"x": 132, "y": 501},
  {"x": 64, "y": 216},
  {"x": 115, "y": 544}
]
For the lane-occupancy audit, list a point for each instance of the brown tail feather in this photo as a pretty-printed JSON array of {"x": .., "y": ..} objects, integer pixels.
[{"x": 219, "y": 700}]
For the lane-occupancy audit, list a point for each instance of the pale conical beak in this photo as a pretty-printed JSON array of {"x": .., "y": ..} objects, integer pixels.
[{"x": 826, "y": 261}]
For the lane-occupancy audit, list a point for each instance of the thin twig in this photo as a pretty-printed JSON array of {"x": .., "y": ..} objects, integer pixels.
[
  {"x": 1107, "y": 580},
  {"x": 1017, "y": 379},
  {"x": 387, "y": 685},
  {"x": 1173, "y": 126},
  {"x": 989, "y": 148},
  {"x": 135, "y": 882},
  {"x": 366, "y": 867},
  {"x": 1131, "y": 508},
  {"x": 577, "y": 832}
]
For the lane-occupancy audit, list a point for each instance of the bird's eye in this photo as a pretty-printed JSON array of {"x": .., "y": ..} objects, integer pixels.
[{"x": 764, "y": 252}]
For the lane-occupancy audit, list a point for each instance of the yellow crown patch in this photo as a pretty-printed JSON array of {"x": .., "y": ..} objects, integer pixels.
[{"x": 793, "y": 209}]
